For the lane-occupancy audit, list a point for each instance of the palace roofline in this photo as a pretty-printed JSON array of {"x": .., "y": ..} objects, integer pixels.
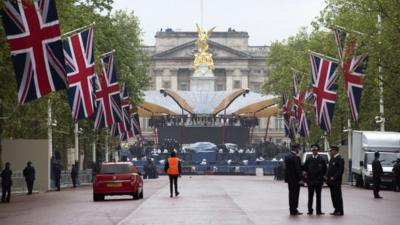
[{"x": 215, "y": 34}]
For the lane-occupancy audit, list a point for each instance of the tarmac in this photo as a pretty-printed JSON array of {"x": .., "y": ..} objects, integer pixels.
[
  {"x": 233, "y": 200},
  {"x": 208, "y": 200}
]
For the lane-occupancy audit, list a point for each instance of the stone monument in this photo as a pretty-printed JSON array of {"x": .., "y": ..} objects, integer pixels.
[{"x": 203, "y": 78}]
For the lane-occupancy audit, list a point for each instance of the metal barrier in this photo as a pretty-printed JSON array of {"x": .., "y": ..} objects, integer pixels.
[
  {"x": 221, "y": 169},
  {"x": 85, "y": 178},
  {"x": 19, "y": 184}
]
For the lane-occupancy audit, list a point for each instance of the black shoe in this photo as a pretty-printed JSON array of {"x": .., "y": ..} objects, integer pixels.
[
  {"x": 320, "y": 213},
  {"x": 332, "y": 214},
  {"x": 338, "y": 214},
  {"x": 171, "y": 196},
  {"x": 378, "y": 197},
  {"x": 309, "y": 213},
  {"x": 177, "y": 193},
  {"x": 296, "y": 214}
]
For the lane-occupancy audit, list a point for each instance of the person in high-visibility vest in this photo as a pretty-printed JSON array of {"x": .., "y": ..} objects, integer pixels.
[{"x": 173, "y": 169}]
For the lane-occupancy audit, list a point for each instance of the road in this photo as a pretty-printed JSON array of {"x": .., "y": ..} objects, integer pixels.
[{"x": 206, "y": 200}]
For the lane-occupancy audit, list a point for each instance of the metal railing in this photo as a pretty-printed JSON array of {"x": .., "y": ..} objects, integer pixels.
[{"x": 19, "y": 184}]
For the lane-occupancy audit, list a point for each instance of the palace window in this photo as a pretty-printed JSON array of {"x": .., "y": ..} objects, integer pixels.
[
  {"x": 166, "y": 84},
  {"x": 184, "y": 80},
  {"x": 220, "y": 79},
  {"x": 219, "y": 87},
  {"x": 255, "y": 86},
  {"x": 237, "y": 84},
  {"x": 183, "y": 87}
]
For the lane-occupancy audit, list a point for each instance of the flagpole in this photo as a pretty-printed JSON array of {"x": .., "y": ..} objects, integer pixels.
[
  {"x": 350, "y": 145},
  {"x": 298, "y": 71},
  {"x": 326, "y": 142},
  {"x": 69, "y": 33},
  {"x": 107, "y": 53},
  {"x": 201, "y": 13},
  {"x": 76, "y": 131},
  {"x": 94, "y": 148},
  {"x": 345, "y": 29},
  {"x": 50, "y": 144},
  {"x": 381, "y": 105},
  {"x": 349, "y": 128},
  {"x": 106, "y": 154},
  {"x": 324, "y": 56},
  {"x": 295, "y": 84}
]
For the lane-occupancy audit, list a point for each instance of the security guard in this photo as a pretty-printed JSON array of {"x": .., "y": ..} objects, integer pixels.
[
  {"x": 293, "y": 177},
  {"x": 173, "y": 169},
  {"x": 29, "y": 174},
  {"x": 6, "y": 183},
  {"x": 334, "y": 179},
  {"x": 377, "y": 173},
  {"x": 396, "y": 177},
  {"x": 315, "y": 168}
]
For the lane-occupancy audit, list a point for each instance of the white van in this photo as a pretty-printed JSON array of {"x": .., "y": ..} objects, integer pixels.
[{"x": 325, "y": 156}]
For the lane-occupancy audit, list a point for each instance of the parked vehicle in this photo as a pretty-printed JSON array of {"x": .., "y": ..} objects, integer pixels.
[
  {"x": 364, "y": 145},
  {"x": 203, "y": 147},
  {"x": 117, "y": 178},
  {"x": 325, "y": 156}
]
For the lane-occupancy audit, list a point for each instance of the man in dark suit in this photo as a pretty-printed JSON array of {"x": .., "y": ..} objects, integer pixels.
[
  {"x": 293, "y": 177},
  {"x": 29, "y": 174},
  {"x": 6, "y": 183},
  {"x": 377, "y": 172},
  {"x": 334, "y": 180},
  {"x": 315, "y": 168}
]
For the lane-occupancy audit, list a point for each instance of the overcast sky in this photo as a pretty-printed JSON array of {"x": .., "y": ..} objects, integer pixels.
[{"x": 264, "y": 20}]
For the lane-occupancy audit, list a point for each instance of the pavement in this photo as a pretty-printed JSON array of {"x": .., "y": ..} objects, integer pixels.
[{"x": 206, "y": 200}]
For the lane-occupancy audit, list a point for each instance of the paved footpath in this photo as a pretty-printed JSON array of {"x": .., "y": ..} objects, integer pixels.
[{"x": 205, "y": 200}]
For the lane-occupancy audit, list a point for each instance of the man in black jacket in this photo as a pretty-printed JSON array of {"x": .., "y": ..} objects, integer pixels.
[
  {"x": 377, "y": 172},
  {"x": 396, "y": 177},
  {"x": 29, "y": 174},
  {"x": 6, "y": 183},
  {"x": 293, "y": 177},
  {"x": 315, "y": 168},
  {"x": 334, "y": 180}
]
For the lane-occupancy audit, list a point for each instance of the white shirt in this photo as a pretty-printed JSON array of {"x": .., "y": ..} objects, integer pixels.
[{"x": 337, "y": 154}]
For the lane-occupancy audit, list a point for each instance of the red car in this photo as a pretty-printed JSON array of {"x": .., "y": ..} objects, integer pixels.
[{"x": 117, "y": 178}]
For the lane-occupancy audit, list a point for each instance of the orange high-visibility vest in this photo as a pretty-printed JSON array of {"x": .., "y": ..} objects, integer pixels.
[{"x": 173, "y": 166}]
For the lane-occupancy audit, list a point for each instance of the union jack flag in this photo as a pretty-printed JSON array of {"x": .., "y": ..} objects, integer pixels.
[
  {"x": 33, "y": 35},
  {"x": 79, "y": 64},
  {"x": 288, "y": 118},
  {"x": 123, "y": 127},
  {"x": 353, "y": 71},
  {"x": 108, "y": 97},
  {"x": 302, "y": 123},
  {"x": 324, "y": 76},
  {"x": 135, "y": 128}
]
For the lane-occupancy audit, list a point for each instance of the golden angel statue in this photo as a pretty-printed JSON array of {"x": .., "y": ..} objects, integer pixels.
[{"x": 203, "y": 57}]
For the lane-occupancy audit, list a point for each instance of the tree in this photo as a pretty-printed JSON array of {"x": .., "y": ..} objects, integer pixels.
[
  {"x": 382, "y": 49},
  {"x": 119, "y": 31}
]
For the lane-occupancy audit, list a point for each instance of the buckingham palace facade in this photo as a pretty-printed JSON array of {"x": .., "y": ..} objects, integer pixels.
[{"x": 237, "y": 66}]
